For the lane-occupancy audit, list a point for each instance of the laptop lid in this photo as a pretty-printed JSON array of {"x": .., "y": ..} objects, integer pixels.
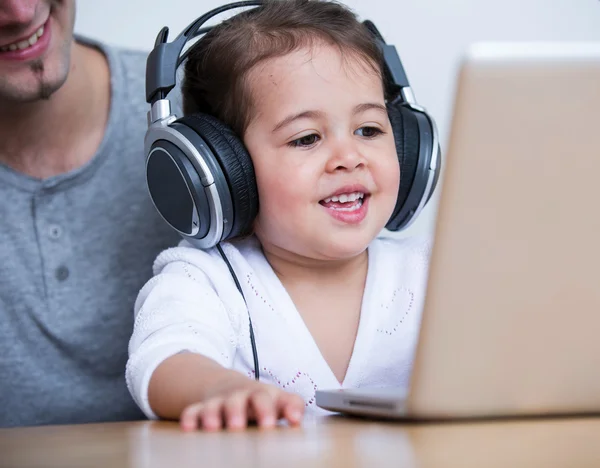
[{"x": 511, "y": 323}]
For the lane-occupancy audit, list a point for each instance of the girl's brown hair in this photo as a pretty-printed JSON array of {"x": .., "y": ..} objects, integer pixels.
[{"x": 215, "y": 76}]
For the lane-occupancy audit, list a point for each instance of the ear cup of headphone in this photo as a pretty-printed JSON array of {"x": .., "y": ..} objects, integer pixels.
[
  {"x": 416, "y": 147},
  {"x": 406, "y": 135},
  {"x": 236, "y": 165}
]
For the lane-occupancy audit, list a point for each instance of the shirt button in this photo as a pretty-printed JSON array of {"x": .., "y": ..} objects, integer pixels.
[
  {"x": 62, "y": 273},
  {"x": 54, "y": 231}
]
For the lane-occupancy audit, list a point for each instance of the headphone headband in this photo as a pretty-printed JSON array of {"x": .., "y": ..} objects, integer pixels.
[
  {"x": 165, "y": 57},
  {"x": 163, "y": 61}
]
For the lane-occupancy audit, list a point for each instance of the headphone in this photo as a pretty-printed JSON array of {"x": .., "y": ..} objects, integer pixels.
[{"x": 201, "y": 177}]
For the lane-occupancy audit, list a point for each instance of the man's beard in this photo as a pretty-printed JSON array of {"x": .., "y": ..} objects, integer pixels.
[{"x": 45, "y": 90}]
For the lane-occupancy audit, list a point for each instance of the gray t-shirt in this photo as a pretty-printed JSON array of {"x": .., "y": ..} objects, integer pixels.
[{"x": 74, "y": 251}]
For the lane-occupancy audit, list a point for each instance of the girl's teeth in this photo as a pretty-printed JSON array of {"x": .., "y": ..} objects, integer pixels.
[
  {"x": 353, "y": 207},
  {"x": 345, "y": 197}
]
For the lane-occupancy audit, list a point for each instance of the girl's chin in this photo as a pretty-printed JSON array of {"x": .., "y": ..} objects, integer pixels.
[
  {"x": 345, "y": 247},
  {"x": 324, "y": 242}
]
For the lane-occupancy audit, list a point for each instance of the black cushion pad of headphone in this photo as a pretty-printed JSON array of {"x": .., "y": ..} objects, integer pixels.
[
  {"x": 235, "y": 161},
  {"x": 405, "y": 129}
]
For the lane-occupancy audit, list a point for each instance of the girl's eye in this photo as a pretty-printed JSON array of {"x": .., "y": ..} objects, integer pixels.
[
  {"x": 305, "y": 141},
  {"x": 368, "y": 132}
]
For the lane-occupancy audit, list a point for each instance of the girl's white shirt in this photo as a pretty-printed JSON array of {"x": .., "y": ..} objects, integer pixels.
[{"x": 192, "y": 304}]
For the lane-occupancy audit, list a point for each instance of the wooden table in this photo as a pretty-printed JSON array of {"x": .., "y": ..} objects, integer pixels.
[{"x": 325, "y": 442}]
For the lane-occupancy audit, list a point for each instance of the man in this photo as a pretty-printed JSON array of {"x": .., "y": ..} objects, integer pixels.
[{"x": 78, "y": 232}]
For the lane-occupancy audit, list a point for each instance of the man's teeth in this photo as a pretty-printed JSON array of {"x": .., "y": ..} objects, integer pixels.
[
  {"x": 345, "y": 197},
  {"x": 25, "y": 43}
]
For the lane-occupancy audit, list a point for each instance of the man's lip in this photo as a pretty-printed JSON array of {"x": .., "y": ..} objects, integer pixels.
[
  {"x": 348, "y": 189},
  {"x": 25, "y": 36}
]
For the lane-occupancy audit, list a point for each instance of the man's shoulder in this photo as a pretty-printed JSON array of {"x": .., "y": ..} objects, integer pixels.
[
  {"x": 131, "y": 60},
  {"x": 128, "y": 71},
  {"x": 133, "y": 65},
  {"x": 136, "y": 58},
  {"x": 128, "y": 74}
]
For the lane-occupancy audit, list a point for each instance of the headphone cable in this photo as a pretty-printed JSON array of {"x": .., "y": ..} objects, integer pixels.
[{"x": 252, "y": 340}]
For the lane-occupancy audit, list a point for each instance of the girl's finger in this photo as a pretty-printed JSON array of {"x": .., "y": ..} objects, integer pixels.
[
  {"x": 235, "y": 411},
  {"x": 263, "y": 408},
  {"x": 291, "y": 407},
  {"x": 189, "y": 417},
  {"x": 211, "y": 414}
]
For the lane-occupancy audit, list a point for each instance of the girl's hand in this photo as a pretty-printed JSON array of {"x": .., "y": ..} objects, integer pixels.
[{"x": 250, "y": 401}]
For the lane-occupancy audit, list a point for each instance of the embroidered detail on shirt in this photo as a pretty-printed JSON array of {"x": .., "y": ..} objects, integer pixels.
[
  {"x": 149, "y": 320},
  {"x": 308, "y": 399},
  {"x": 411, "y": 300},
  {"x": 249, "y": 281},
  {"x": 187, "y": 272}
]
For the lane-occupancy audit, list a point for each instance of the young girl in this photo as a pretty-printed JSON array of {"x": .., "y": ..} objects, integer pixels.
[{"x": 332, "y": 304}]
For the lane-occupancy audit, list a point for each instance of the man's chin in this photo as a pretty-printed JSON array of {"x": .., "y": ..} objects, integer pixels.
[
  {"x": 41, "y": 89},
  {"x": 35, "y": 81},
  {"x": 46, "y": 90},
  {"x": 43, "y": 93}
]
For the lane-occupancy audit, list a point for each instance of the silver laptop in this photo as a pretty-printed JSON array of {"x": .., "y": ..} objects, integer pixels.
[{"x": 511, "y": 322}]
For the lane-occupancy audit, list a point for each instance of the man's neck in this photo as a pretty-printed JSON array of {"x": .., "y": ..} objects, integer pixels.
[{"x": 54, "y": 136}]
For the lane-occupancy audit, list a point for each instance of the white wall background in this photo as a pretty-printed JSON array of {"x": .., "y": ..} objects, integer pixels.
[{"x": 430, "y": 35}]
